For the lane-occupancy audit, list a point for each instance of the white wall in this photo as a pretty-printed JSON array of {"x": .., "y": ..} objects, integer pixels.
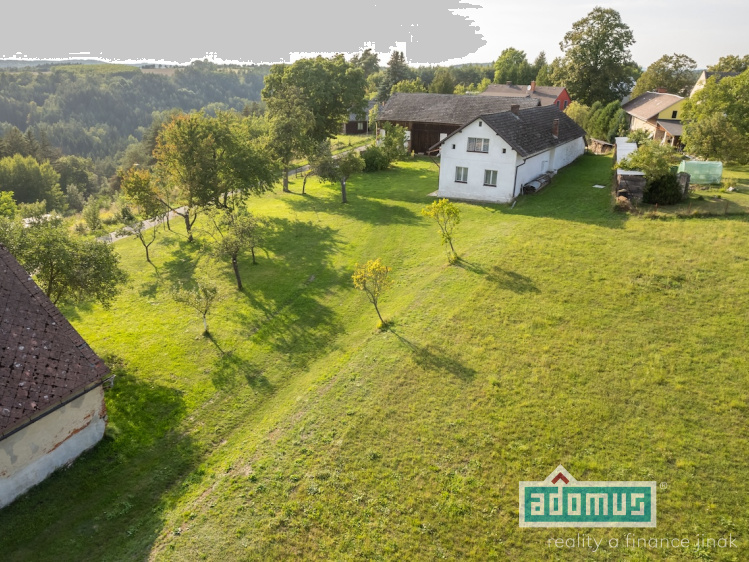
[
  {"x": 477, "y": 163},
  {"x": 508, "y": 184},
  {"x": 568, "y": 153},
  {"x": 33, "y": 453}
]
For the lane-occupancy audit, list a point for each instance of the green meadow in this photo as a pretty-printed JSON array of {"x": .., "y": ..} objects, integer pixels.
[{"x": 568, "y": 333}]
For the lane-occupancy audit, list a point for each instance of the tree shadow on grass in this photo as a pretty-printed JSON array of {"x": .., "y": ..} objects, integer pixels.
[
  {"x": 359, "y": 207},
  {"x": 183, "y": 261},
  {"x": 117, "y": 490},
  {"x": 230, "y": 370},
  {"x": 503, "y": 278},
  {"x": 287, "y": 289},
  {"x": 430, "y": 358}
]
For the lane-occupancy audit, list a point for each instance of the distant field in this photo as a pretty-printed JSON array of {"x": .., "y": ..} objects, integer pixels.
[
  {"x": 568, "y": 334},
  {"x": 162, "y": 71}
]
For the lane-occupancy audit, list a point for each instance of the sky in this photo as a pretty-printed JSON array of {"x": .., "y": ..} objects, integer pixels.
[{"x": 430, "y": 31}]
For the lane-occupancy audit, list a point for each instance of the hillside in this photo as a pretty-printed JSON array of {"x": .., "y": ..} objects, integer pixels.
[{"x": 568, "y": 334}]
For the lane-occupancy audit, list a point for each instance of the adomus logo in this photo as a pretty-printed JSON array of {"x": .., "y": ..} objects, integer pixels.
[{"x": 562, "y": 501}]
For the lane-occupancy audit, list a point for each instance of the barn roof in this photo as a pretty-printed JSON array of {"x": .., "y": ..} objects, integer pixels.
[
  {"x": 530, "y": 130},
  {"x": 546, "y": 94},
  {"x": 449, "y": 109},
  {"x": 650, "y": 104},
  {"x": 44, "y": 362}
]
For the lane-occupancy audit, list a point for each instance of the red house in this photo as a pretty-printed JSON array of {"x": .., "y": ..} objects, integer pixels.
[{"x": 547, "y": 95}]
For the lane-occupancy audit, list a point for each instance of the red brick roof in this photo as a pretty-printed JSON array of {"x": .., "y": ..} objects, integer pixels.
[{"x": 44, "y": 362}]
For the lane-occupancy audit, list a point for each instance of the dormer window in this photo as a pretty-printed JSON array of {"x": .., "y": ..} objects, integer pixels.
[{"x": 478, "y": 145}]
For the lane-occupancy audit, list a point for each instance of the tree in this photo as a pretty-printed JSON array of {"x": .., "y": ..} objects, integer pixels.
[
  {"x": 447, "y": 217},
  {"x": 538, "y": 64},
  {"x": 373, "y": 279},
  {"x": 332, "y": 88},
  {"x": 730, "y": 63},
  {"x": 31, "y": 182},
  {"x": 8, "y": 207},
  {"x": 91, "y": 214},
  {"x": 415, "y": 86},
  {"x": 397, "y": 71},
  {"x": 368, "y": 61},
  {"x": 291, "y": 123},
  {"x": 655, "y": 161},
  {"x": 675, "y": 73},
  {"x": 443, "y": 82},
  {"x": 67, "y": 268},
  {"x": 512, "y": 66},
  {"x": 578, "y": 112},
  {"x": 143, "y": 232},
  {"x": 716, "y": 120},
  {"x": 394, "y": 142},
  {"x": 207, "y": 159},
  {"x": 339, "y": 169},
  {"x": 201, "y": 298},
  {"x": 598, "y": 64},
  {"x": 651, "y": 158},
  {"x": 233, "y": 232}
]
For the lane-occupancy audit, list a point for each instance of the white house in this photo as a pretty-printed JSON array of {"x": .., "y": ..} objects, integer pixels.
[
  {"x": 493, "y": 156},
  {"x": 51, "y": 397}
]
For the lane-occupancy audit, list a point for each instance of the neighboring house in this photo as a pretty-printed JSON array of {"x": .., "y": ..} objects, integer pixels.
[
  {"x": 51, "y": 397},
  {"x": 358, "y": 124},
  {"x": 493, "y": 156},
  {"x": 659, "y": 114},
  {"x": 429, "y": 118},
  {"x": 547, "y": 95},
  {"x": 705, "y": 76}
]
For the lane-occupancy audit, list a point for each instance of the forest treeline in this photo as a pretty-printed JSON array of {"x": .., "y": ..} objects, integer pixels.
[{"x": 96, "y": 111}]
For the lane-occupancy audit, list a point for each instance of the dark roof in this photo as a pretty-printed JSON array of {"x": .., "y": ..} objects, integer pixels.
[
  {"x": 650, "y": 104},
  {"x": 673, "y": 128},
  {"x": 355, "y": 117},
  {"x": 546, "y": 94},
  {"x": 44, "y": 362},
  {"x": 530, "y": 131},
  {"x": 719, "y": 75},
  {"x": 450, "y": 109}
]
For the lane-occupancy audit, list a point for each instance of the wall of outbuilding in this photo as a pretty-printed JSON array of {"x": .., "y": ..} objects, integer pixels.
[{"x": 31, "y": 454}]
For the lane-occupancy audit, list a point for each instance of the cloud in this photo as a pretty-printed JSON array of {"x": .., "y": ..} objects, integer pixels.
[{"x": 433, "y": 30}]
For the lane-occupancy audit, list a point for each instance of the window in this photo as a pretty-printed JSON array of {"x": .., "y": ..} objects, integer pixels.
[
  {"x": 461, "y": 174},
  {"x": 566, "y": 103},
  {"x": 504, "y": 151},
  {"x": 478, "y": 145},
  {"x": 480, "y": 123},
  {"x": 556, "y": 102},
  {"x": 673, "y": 114},
  {"x": 490, "y": 178},
  {"x": 453, "y": 147},
  {"x": 360, "y": 126}
]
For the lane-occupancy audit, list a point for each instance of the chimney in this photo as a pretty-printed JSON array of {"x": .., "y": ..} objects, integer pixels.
[
  {"x": 555, "y": 128},
  {"x": 533, "y": 86},
  {"x": 509, "y": 83},
  {"x": 662, "y": 90},
  {"x": 515, "y": 109}
]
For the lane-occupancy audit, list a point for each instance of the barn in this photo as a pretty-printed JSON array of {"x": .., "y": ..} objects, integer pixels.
[{"x": 429, "y": 118}]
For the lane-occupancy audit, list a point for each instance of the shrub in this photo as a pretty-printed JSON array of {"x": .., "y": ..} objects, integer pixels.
[
  {"x": 375, "y": 159},
  {"x": 664, "y": 190}
]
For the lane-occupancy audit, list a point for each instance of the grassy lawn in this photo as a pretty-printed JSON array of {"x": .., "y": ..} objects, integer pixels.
[{"x": 568, "y": 334}]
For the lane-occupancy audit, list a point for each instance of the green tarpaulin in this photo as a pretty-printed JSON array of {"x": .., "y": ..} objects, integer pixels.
[{"x": 702, "y": 172}]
